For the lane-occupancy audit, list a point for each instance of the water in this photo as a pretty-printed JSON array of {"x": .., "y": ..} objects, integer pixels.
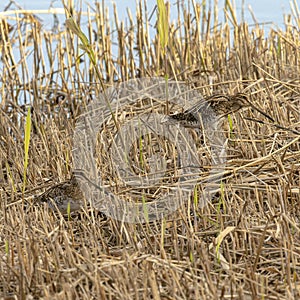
[{"x": 265, "y": 11}]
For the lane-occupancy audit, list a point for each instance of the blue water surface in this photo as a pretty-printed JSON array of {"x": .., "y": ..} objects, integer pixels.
[{"x": 265, "y": 11}]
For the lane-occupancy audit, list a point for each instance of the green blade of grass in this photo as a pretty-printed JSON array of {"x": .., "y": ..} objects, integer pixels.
[
  {"x": 26, "y": 146},
  {"x": 229, "y": 8},
  {"x": 162, "y": 24},
  {"x": 87, "y": 47}
]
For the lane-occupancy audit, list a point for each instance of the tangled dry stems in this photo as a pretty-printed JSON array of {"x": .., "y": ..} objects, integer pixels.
[{"x": 88, "y": 256}]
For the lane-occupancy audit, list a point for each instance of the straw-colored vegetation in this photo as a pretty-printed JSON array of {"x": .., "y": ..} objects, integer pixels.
[{"x": 243, "y": 245}]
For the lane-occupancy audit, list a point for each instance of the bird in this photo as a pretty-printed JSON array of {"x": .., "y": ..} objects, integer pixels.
[
  {"x": 210, "y": 109},
  {"x": 65, "y": 196},
  {"x": 68, "y": 196}
]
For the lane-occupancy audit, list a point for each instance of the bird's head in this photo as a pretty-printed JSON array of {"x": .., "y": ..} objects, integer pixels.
[{"x": 239, "y": 100}]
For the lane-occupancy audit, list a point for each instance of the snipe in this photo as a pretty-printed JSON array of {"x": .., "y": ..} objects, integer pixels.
[
  {"x": 62, "y": 195},
  {"x": 211, "y": 109}
]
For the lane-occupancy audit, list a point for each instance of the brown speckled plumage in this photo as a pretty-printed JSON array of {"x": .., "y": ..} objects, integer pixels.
[
  {"x": 212, "y": 108},
  {"x": 59, "y": 195}
]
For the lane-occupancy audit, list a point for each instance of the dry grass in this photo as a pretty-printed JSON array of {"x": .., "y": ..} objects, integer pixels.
[{"x": 47, "y": 256}]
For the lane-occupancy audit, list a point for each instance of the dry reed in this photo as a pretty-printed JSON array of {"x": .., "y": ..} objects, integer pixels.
[{"x": 46, "y": 256}]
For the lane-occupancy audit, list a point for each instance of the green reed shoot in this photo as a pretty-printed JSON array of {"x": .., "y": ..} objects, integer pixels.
[
  {"x": 69, "y": 211},
  {"x": 163, "y": 25},
  {"x": 85, "y": 44},
  {"x": 26, "y": 146},
  {"x": 163, "y": 34},
  {"x": 230, "y": 125},
  {"x": 88, "y": 49},
  {"x": 230, "y": 10}
]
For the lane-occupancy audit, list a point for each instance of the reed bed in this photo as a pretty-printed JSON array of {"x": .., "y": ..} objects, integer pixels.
[{"x": 243, "y": 245}]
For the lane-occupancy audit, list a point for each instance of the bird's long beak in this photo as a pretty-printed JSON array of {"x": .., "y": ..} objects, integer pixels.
[{"x": 261, "y": 112}]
